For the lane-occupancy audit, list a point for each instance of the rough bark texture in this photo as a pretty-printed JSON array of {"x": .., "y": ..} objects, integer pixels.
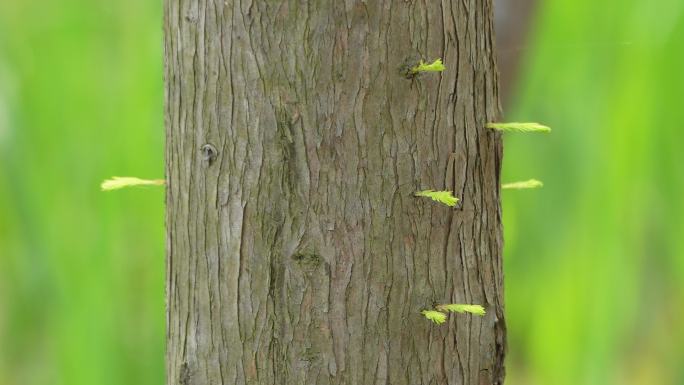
[{"x": 296, "y": 251}]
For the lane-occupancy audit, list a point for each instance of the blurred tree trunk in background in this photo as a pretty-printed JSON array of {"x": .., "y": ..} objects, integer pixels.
[
  {"x": 296, "y": 251},
  {"x": 513, "y": 21}
]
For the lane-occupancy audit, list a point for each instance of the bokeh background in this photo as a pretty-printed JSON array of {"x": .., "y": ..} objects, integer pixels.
[{"x": 594, "y": 261}]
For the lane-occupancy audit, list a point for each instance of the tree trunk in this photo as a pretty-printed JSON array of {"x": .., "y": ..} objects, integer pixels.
[{"x": 296, "y": 252}]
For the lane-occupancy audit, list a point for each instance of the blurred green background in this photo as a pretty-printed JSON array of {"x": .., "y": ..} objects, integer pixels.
[{"x": 594, "y": 260}]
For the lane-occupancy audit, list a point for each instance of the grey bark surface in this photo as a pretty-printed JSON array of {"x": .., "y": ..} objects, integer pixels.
[{"x": 296, "y": 252}]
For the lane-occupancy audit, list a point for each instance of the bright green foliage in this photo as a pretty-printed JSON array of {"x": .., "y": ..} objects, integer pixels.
[
  {"x": 532, "y": 183},
  {"x": 435, "y": 66},
  {"x": 119, "y": 182},
  {"x": 81, "y": 271},
  {"x": 606, "y": 75},
  {"x": 435, "y": 316},
  {"x": 443, "y": 197},
  {"x": 595, "y": 269},
  {"x": 518, "y": 127},
  {"x": 462, "y": 308}
]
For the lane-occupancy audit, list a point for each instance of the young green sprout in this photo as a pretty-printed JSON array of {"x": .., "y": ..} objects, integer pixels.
[
  {"x": 435, "y": 66},
  {"x": 439, "y": 316},
  {"x": 119, "y": 182},
  {"x": 461, "y": 308},
  {"x": 443, "y": 197},
  {"x": 435, "y": 316},
  {"x": 518, "y": 127},
  {"x": 532, "y": 183}
]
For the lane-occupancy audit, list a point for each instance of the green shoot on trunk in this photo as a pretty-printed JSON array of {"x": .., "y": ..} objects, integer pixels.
[
  {"x": 518, "y": 127},
  {"x": 435, "y": 316},
  {"x": 435, "y": 66},
  {"x": 443, "y": 197},
  {"x": 461, "y": 308},
  {"x": 119, "y": 182},
  {"x": 532, "y": 183}
]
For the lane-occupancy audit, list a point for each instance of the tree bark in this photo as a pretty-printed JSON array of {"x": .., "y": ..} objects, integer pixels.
[{"x": 296, "y": 252}]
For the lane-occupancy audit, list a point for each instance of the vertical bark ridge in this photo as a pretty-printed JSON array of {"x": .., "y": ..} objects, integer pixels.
[{"x": 298, "y": 255}]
